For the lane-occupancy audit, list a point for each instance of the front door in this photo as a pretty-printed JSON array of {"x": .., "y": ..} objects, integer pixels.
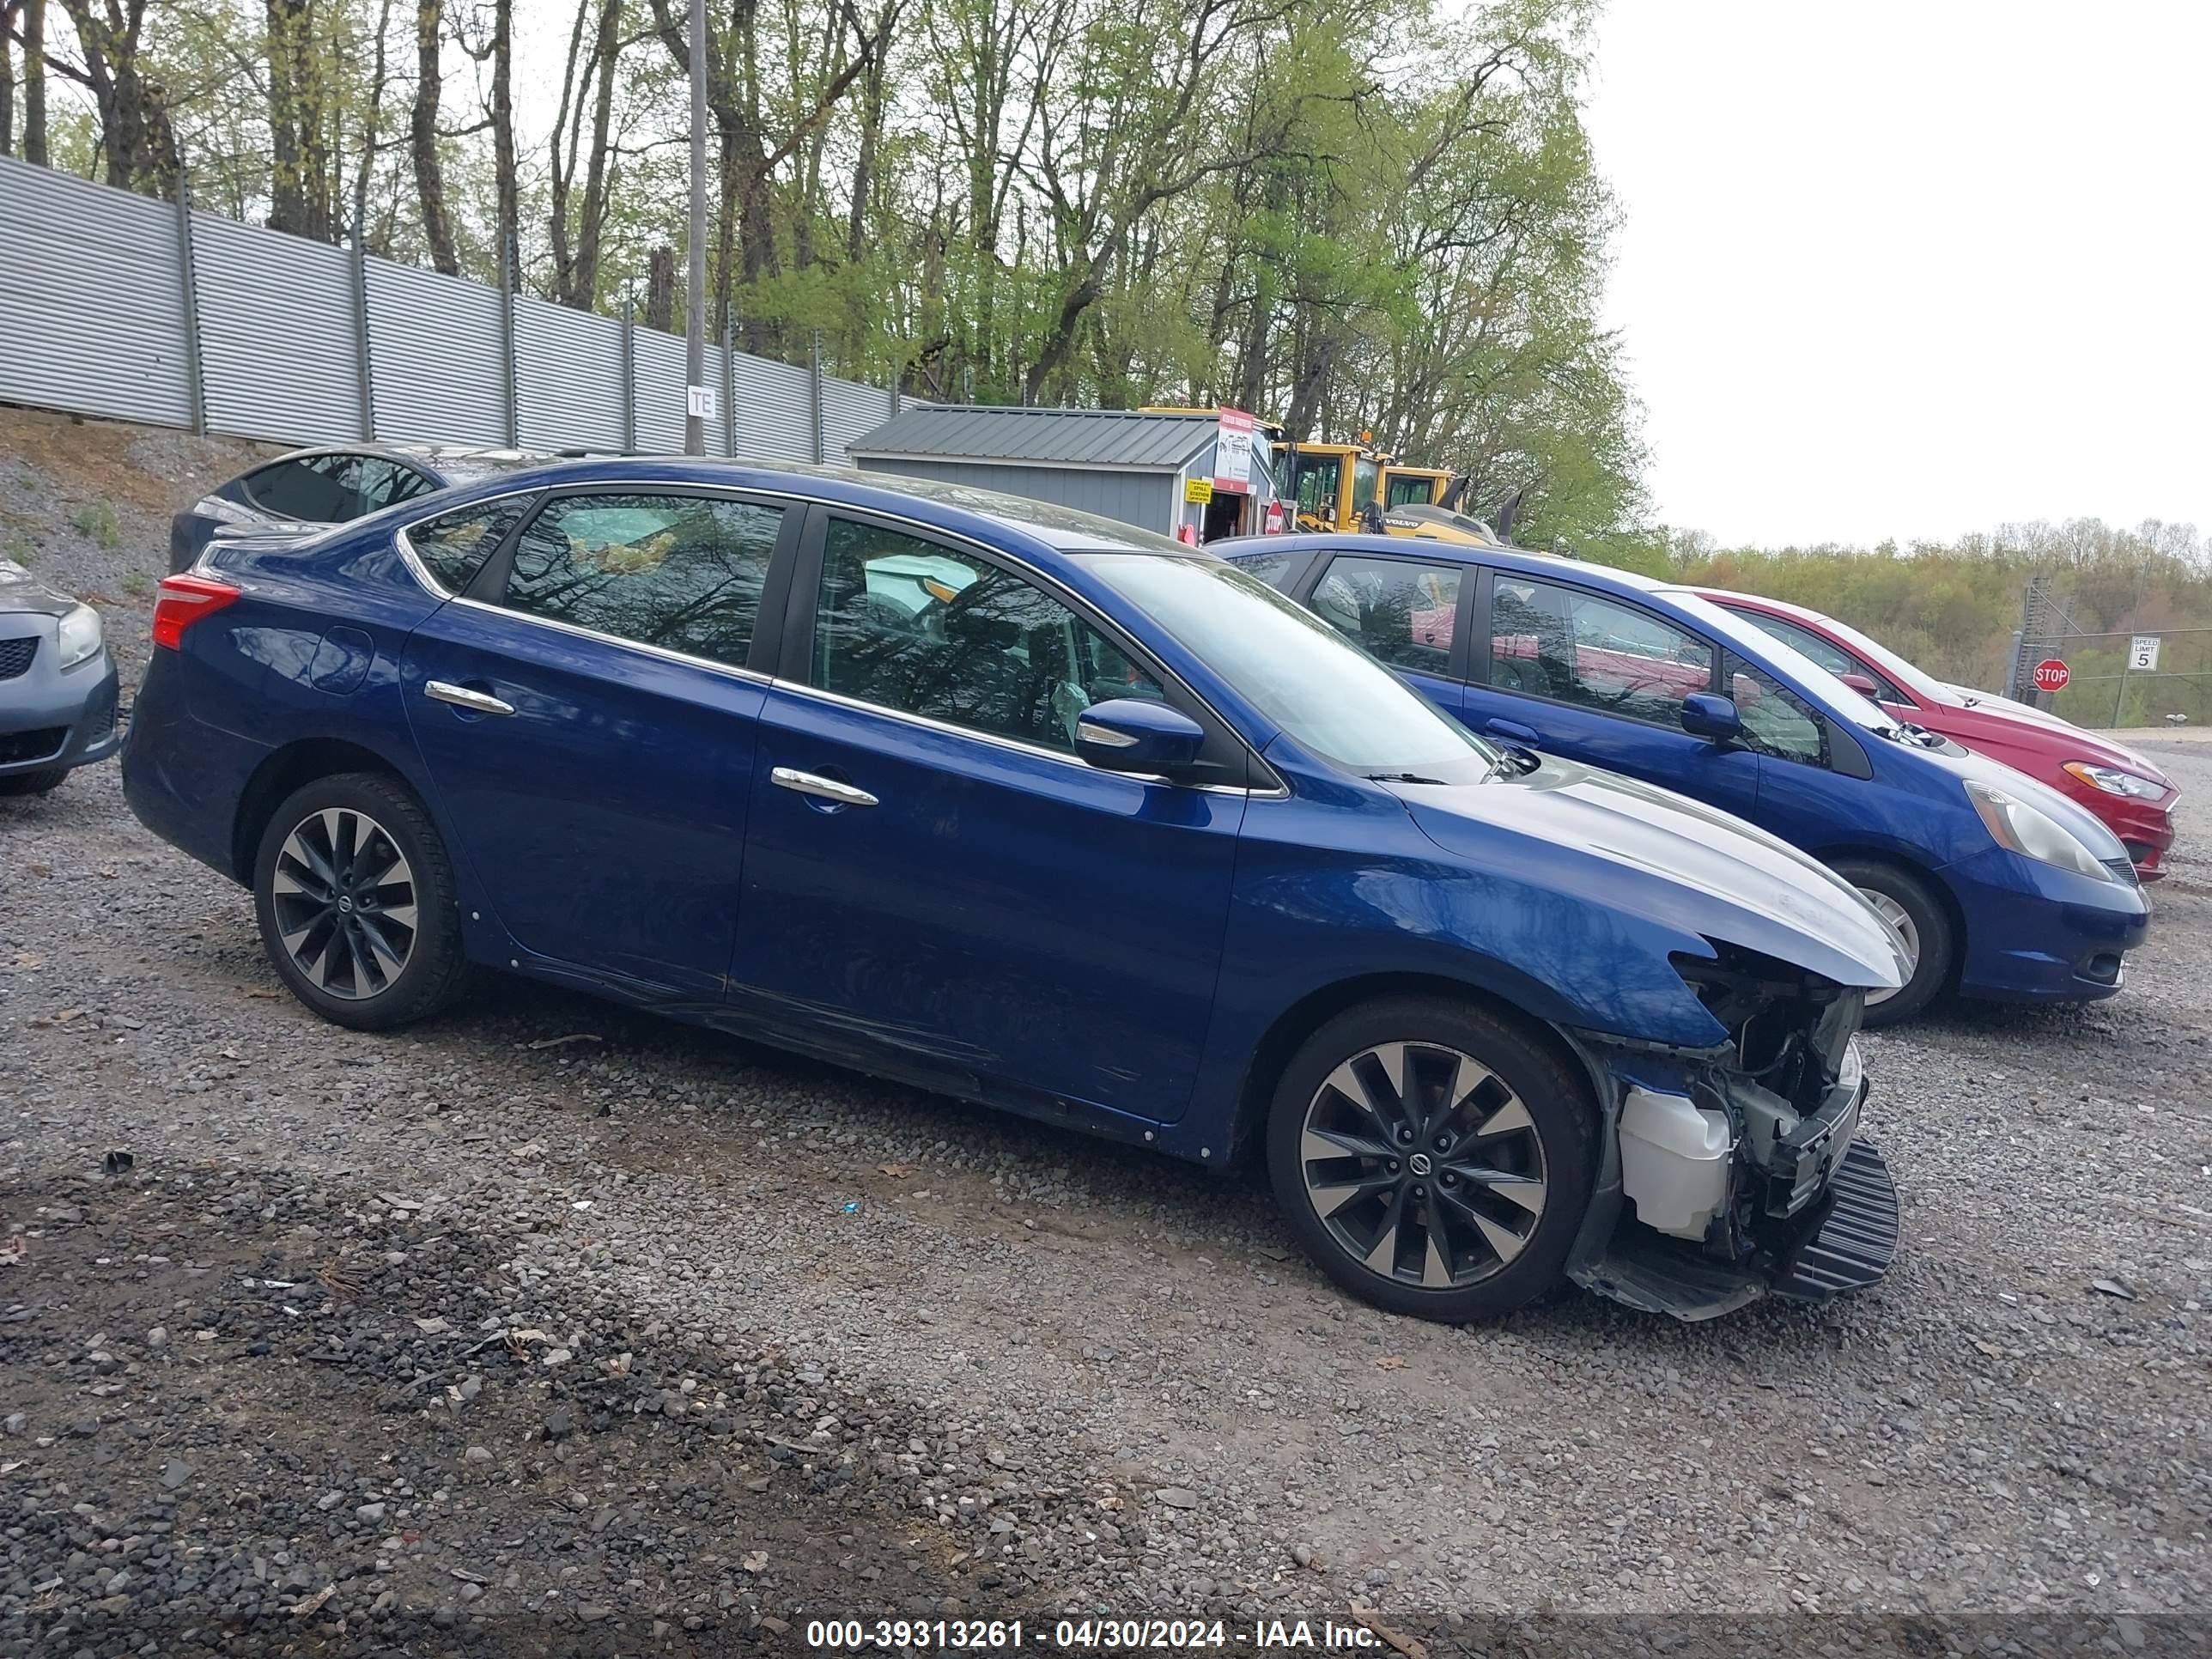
[
  {"x": 589, "y": 727},
  {"x": 1601, "y": 681},
  {"x": 935, "y": 886}
]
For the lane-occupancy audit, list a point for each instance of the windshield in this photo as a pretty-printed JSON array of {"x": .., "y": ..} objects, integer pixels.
[
  {"x": 1317, "y": 487},
  {"x": 1761, "y": 647},
  {"x": 1330, "y": 697}
]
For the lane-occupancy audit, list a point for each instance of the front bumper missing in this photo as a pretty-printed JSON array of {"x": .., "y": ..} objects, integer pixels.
[{"x": 1845, "y": 1241}]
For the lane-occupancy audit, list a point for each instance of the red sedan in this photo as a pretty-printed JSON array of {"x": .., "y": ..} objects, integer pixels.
[{"x": 2130, "y": 793}]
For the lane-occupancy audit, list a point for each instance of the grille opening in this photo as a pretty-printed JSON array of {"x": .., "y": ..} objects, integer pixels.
[
  {"x": 15, "y": 657},
  {"x": 17, "y": 747}
]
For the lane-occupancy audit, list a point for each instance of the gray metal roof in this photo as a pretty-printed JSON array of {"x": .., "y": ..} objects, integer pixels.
[{"x": 1064, "y": 437}]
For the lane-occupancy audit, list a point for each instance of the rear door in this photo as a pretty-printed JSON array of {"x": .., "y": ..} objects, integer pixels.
[
  {"x": 1406, "y": 611},
  {"x": 1601, "y": 679},
  {"x": 589, "y": 718},
  {"x": 935, "y": 885}
]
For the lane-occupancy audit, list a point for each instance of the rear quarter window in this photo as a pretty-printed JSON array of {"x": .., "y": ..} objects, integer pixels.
[{"x": 453, "y": 547}]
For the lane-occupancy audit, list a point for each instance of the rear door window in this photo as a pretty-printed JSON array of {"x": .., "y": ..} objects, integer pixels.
[
  {"x": 684, "y": 573},
  {"x": 1574, "y": 645},
  {"x": 1403, "y": 613}
]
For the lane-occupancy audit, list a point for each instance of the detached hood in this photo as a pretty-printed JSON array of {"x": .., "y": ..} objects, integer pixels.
[
  {"x": 21, "y": 592},
  {"x": 1662, "y": 856}
]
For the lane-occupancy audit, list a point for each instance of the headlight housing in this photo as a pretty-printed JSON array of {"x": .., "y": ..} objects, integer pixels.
[
  {"x": 80, "y": 634},
  {"x": 2032, "y": 833},
  {"x": 2113, "y": 781}
]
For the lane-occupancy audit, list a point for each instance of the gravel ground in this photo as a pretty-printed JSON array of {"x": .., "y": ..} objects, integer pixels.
[{"x": 552, "y": 1326}]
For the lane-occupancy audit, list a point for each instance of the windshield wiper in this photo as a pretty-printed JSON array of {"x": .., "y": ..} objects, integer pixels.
[{"x": 1400, "y": 777}]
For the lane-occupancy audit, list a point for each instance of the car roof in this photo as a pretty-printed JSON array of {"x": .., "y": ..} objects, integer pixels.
[
  {"x": 1062, "y": 528},
  {"x": 1520, "y": 560},
  {"x": 452, "y": 463}
]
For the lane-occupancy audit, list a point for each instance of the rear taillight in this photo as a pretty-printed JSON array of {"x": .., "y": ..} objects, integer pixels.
[{"x": 180, "y": 601}]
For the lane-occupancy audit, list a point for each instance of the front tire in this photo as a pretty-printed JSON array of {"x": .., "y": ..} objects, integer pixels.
[
  {"x": 354, "y": 896},
  {"x": 1432, "y": 1157},
  {"x": 1904, "y": 901}
]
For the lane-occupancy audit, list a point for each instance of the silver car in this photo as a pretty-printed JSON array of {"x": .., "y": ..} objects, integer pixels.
[{"x": 57, "y": 686}]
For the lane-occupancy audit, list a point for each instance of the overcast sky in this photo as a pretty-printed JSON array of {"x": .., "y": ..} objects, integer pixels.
[{"x": 1911, "y": 267}]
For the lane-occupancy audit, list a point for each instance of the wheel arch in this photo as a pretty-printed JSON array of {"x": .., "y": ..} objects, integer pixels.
[
  {"x": 1302, "y": 1017},
  {"x": 284, "y": 770},
  {"x": 1926, "y": 875}
]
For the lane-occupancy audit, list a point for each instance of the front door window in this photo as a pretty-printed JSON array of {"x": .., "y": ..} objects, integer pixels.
[{"x": 911, "y": 625}]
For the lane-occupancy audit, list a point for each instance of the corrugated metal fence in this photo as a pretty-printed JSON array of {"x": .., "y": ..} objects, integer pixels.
[{"x": 115, "y": 305}]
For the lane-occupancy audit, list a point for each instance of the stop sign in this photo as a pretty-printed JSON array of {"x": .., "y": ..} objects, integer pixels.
[{"x": 2052, "y": 675}]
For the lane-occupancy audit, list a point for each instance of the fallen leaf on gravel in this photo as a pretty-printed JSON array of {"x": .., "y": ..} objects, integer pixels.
[
  {"x": 28, "y": 960},
  {"x": 1410, "y": 1646},
  {"x": 13, "y": 1251},
  {"x": 754, "y": 1561},
  {"x": 314, "y": 1603},
  {"x": 1390, "y": 1362},
  {"x": 897, "y": 1171},
  {"x": 560, "y": 1042}
]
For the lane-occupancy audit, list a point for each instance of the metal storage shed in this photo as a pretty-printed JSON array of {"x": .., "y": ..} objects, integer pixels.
[{"x": 1133, "y": 466}]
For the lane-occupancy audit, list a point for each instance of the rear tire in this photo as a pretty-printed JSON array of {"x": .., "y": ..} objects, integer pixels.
[
  {"x": 1432, "y": 1157},
  {"x": 34, "y": 783},
  {"x": 1908, "y": 903},
  {"x": 355, "y": 899}
]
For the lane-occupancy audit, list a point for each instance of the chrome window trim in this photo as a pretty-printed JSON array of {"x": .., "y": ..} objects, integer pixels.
[{"x": 928, "y": 531}]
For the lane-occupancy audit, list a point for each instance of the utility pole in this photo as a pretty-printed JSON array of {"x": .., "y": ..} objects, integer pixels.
[{"x": 698, "y": 396}]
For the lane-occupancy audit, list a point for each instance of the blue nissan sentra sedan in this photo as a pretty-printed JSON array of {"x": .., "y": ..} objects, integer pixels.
[
  {"x": 2000, "y": 887},
  {"x": 1037, "y": 809}
]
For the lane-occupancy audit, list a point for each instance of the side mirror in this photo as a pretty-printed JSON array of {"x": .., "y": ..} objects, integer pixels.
[
  {"x": 1863, "y": 684},
  {"x": 1129, "y": 734},
  {"x": 1706, "y": 715}
]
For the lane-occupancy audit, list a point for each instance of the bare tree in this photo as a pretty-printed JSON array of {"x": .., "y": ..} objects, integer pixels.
[
  {"x": 300, "y": 188},
  {"x": 578, "y": 227},
  {"x": 422, "y": 135},
  {"x": 137, "y": 146}
]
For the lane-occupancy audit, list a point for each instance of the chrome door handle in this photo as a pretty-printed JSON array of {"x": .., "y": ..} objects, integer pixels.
[
  {"x": 806, "y": 783},
  {"x": 480, "y": 702}
]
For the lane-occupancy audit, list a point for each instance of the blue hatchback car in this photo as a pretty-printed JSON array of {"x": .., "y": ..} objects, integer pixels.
[
  {"x": 2000, "y": 887},
  {"x": 1034, "y": 808}
]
